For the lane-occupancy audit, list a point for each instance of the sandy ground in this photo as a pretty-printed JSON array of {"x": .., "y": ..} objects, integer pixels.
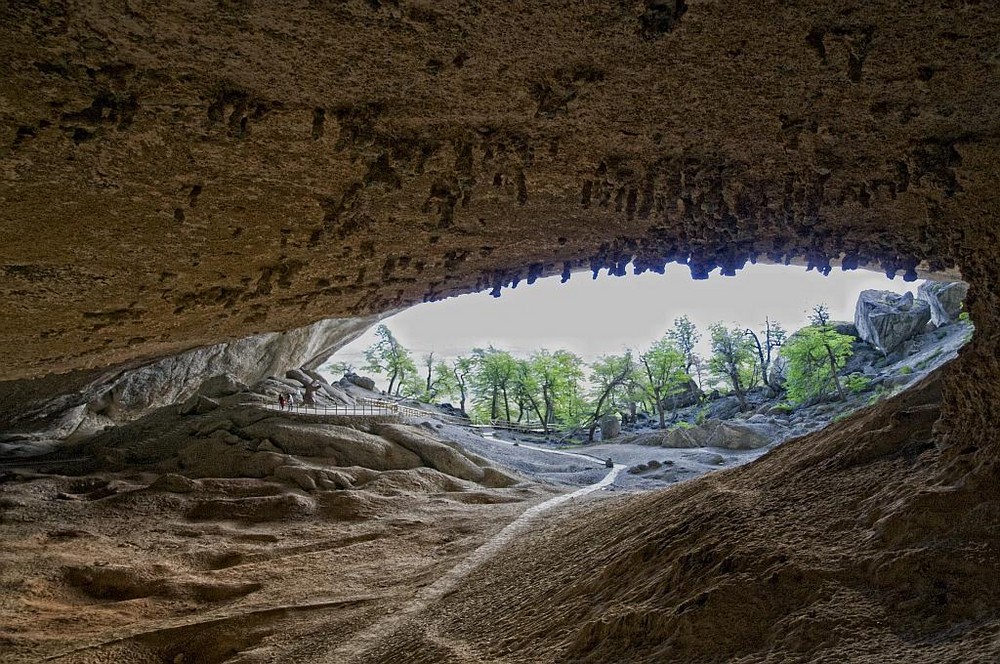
[
  {"x": 106, "y": 568},
  {"x": 116, "y": 567}
]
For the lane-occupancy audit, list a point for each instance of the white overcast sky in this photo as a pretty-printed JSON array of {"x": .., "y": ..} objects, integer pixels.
[{"x": 593, "y": 317}]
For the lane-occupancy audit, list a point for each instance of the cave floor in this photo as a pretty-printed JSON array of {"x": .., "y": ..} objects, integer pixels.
[{"x": 104, "y": 568}]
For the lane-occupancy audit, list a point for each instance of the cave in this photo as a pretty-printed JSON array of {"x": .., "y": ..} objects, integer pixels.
[{"x": 178, "y": 179}]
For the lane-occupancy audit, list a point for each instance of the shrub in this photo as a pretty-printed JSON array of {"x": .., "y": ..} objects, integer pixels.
[
  {"x": 815, "y": 355},
  {"x": 784, "y": 407},
  {"x": 701, "y": 416},
  {"x": 906, "y": 371},
  {"x": 857, "y": 382}
]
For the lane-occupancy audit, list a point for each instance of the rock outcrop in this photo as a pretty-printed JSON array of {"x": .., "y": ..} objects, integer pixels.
[
  {"x": 120, "y": 395},
  {"x": 713, "y": 433},
  {"x": 885, "y": 319},
  {"x": 945, "y": 299}
]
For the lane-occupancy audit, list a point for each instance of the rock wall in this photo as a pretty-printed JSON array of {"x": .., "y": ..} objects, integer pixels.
[
  {"x": 124, "y": 394},
  {"x": 174, "y": 176}
]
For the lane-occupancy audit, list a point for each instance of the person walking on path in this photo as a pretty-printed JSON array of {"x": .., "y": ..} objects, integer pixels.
[
  {"x": 281, "y": 402},
  {"x": 291, "y": 401}
]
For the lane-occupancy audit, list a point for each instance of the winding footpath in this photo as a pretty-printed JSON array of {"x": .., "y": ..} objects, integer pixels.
[{"x": 368, "y": 639}]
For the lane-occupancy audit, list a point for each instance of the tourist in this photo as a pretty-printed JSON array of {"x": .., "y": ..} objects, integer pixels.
[{"x": 281, "y": 402}]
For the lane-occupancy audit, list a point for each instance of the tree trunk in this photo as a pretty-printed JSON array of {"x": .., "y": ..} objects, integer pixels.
[
  {"x": 833, "y": 371},
  {"x": 740, "y": 392}
]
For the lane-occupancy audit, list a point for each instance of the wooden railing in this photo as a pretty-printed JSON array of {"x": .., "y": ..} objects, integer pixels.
[{"x": 364, "y": 408}]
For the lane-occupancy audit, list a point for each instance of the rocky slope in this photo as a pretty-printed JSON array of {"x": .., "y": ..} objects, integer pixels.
[{"x": 840, "y": 546}]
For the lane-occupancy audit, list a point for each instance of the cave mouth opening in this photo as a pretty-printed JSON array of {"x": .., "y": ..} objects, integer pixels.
[{"x": 733, "y": 365}]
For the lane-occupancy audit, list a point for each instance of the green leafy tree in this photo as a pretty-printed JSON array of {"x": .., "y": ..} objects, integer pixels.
[
  {"x": 388, "y": 357},
  {"x": 662, "y": 374},
  {"x": 685, "y": 337},
  {"x": 526, "y": 391},
  {"x": 493, "y": 378},
  {"x": 340, "y": 368},
  {"x": 557, "y": 376},
  {"x": 611, "y": 377},
  {"x": 444, "y": 386},
  {"x": 816, "y": 355},
  {"x": 733, "y": 360}
]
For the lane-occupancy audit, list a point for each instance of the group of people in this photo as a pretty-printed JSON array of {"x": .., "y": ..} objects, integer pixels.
[{"x": 286, "y": 400}]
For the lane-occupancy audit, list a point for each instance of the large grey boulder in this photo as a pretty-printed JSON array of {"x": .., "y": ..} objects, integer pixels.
[
  {"x": 611, "y": 427},
  {"x": 885, "y": 319},
  {"x": 713, "y": 433},
  {"x": 945, "y": 299},
  {"x": 364, "y": 382}
]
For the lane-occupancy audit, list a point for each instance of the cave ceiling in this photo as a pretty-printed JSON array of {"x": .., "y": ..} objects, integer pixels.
[{"x": 176, "y": 174}]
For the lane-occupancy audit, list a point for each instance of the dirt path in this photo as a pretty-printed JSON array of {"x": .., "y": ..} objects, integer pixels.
[{"x": 366, "y": 640}]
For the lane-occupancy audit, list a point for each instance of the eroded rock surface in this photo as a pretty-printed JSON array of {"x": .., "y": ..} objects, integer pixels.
[{"x": 175, "y": 176}]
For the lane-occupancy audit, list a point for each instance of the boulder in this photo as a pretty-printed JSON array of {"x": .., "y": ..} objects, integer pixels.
[
  {"x": 945, "y": 299},
  {"x": 300, "y": 377},
  {"x": 885, "y": 319},
  {"x": 364, "y": 382},
  {"x": 221, "y": 385},
  {"x": 611, "y": 427},
  {"x": 690, "y": 395},
  {"x": 723, "y": 409},
  {"x": 736, "y": 437},
  {"x": 713, "y": 433},
  {"x": 844, "y": 327}
]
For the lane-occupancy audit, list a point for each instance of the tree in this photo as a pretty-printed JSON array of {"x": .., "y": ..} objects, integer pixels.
[
  {"x": 662, "y": 374},
  {"x": 428, "y": 363},
  {"x": 341, "y": 367},
  {"x": 388, "y": 357},
  {"x": 557, "y": 375},
  {"x": 733, "y": 360},
  {"x": 771, "y": 338},
  {"x": 493, "y": 375},
  {"x": 461, "y": 370},
  {"x": 526, "y": 391},
  {"x": 816, "y": 355},
  {"x": 685, "y": 337},
  {"x": 611, "y": 376}
]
